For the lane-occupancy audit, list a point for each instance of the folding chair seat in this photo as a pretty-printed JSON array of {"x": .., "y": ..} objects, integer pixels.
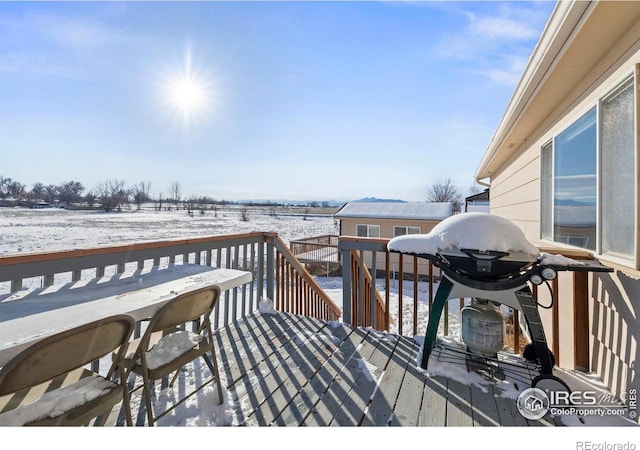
[
  {"x": 48, "y": 382},
  {"x": 166, "y": 346}
]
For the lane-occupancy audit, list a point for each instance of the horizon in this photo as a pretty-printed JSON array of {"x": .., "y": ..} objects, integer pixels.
[{"x": 239, "y": 100}]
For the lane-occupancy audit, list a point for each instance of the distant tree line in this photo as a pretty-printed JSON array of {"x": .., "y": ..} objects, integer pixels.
[{"x": 109, "y": 195}]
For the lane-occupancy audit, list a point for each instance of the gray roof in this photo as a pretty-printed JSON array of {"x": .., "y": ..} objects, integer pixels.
[{"x": 396, "y": 210}]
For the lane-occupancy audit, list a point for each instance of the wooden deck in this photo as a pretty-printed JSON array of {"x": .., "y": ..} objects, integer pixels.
[{"x": 286, "y": 370}]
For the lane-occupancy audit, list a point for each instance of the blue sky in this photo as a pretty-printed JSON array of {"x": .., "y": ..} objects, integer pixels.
[{"x": 273, "y": 100}]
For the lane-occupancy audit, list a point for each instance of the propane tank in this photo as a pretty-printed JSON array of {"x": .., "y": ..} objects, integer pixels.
[{"x": 483, "y": 327}]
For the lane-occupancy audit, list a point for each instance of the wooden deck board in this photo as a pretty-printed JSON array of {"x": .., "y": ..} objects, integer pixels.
[
  {"x": 286, "y": 370},
  {"x": 382, "y": 406},
  {"x": 257, "y": 383},
  {"x": 407, "y": 408},
  {"x": 304, "y": 402},
  {"x": 303, "y": 358},
  {"x": 370, "y": 369},
  {"x": 433, "y": 410},
  {"x": 459, "y": 412},
  {"x": 341, "y": 387}
]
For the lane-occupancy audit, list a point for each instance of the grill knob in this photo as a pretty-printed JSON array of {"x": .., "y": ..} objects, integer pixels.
[
  {"x": 536, "y": 279},
  {"x": 548, "y": 273}
]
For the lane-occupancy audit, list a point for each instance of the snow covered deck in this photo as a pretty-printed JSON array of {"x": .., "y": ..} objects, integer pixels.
[{"x": 288, "y": 370}]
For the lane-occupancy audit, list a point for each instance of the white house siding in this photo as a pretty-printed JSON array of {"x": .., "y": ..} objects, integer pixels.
[{"x": 515, "y": 192}]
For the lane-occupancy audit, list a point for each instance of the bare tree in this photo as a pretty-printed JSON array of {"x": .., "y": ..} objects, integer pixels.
[
  {"x": 37, "y": 191},
  {"x": 17, "y": 190},
  {"x": 70, "y": 192},
  {"x": 112, "y": 194},
  {"x": 11, "y": 188},
  {"x": 141, "y": 193},
  {"x": 445, "y": 191},
  {"x": 90, "y": 198},
  {"x": 244, "y": 213},
  {"x": 51, "y": 193},
  {"x": 175, "y": 191},
  {"x": 4, "y": 187},
  {"x": 476, "y": 188},
  {"x": 159, "y": 207}
]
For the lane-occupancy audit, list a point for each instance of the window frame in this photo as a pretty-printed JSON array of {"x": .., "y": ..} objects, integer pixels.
[
  {"x": 417, "y": 230},
  {"x": 549, "y": 148},
  {"x": 369, "y": 227}
]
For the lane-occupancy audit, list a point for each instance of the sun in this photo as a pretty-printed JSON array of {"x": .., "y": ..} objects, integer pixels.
[
  {"x": 187, "y": 92},
  {"x": 187, "y": 95}
]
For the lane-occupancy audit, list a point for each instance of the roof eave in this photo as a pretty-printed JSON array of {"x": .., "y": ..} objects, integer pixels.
[{"x": 562, "y": 23}]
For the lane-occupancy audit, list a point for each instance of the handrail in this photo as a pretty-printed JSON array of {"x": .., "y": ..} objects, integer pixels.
[
  {"x": 297, "y": 291},
  {"x": 15, "y": 268},
  {"x": 254, "y": 252},
  {"x": 317, "y": 250}
]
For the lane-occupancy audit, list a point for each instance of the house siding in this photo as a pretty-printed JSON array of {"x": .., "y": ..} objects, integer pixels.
[
  {"x": 614, "y": 298},
  {"x": 515, "y": 193},
  {"x": 348, "y": 225}
]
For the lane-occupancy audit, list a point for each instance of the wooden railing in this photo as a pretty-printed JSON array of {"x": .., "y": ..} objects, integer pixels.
[
  {"x": 276, "y": 273},
  {"x": 316, "y": 250},
  {"x": 296, "y": 291},
  {"x": 372, "y": 263},
  {"x": 374, "y": 258},
  {"x": 366, "y": 302}
]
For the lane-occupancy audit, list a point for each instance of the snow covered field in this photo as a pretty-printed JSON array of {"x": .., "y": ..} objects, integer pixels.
[{"x": 49, "y": 229}]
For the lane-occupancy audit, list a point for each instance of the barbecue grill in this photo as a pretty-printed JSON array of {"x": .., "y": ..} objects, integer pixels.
[{"x": 501, "y": 276}]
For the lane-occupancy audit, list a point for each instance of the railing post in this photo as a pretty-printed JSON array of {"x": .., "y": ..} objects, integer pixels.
[
  {"x": 361, "y": 286},
  {"x": 581, "y": 320},
  {"x": 270, "y": 269},
  {"x": 16, "y": 285},
  {"x": 373, "y": 305},
  {"x": 555, "y": 320},
  {"x": 346, "y": 286}
]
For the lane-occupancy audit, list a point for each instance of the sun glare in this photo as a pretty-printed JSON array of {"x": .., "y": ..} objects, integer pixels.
[{"x": 187, "y": 93}]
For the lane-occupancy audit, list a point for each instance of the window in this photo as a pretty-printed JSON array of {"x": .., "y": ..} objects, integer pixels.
[
  {"x": 617, "y": 172},
  {"x": 574, "y": 183},
  {"x": 402, "y": 230},
  {"x": 588, "y": 179},
  {"x": 368, "y": 230}
]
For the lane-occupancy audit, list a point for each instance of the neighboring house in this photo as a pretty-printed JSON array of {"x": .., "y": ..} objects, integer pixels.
[
  {"x": 478, "y": 202},
  {"x": 391, "y": 219},
  {"x": 563, "y": 165}
]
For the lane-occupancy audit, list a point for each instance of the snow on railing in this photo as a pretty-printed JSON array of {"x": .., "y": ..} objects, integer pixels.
[{"x": 276, "y": 272}]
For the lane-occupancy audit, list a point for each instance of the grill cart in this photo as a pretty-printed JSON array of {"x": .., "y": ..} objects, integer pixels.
[{"x": 487, "y": 258}]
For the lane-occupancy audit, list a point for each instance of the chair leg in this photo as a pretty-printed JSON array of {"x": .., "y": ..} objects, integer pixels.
[
  {"x": 147, "y": 397},
  {"x": 174, "y": 378},
  {"x": 126, "y": 403},
  {"x": 216, "y": 373}
]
